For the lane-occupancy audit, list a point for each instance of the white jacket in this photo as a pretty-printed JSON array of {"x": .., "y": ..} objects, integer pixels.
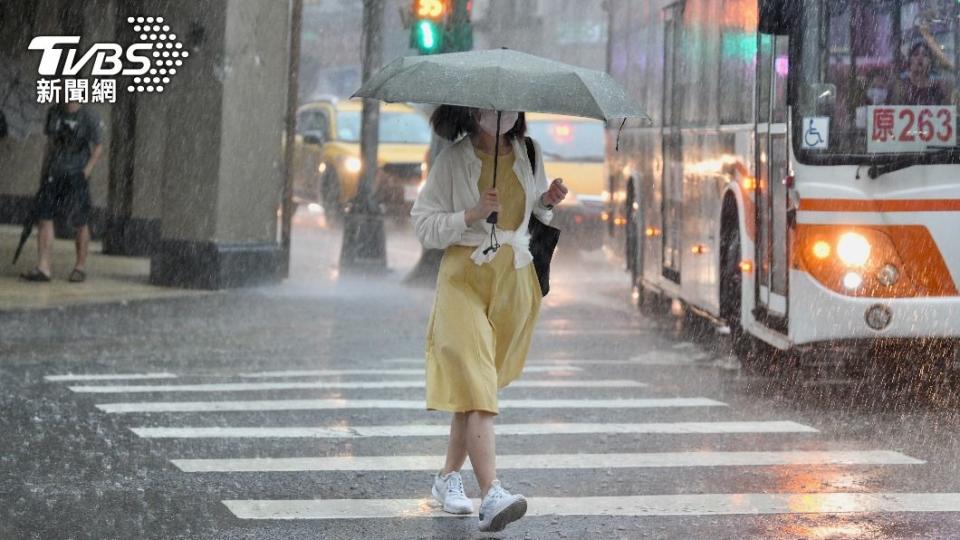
[{"x": 451, "y": 190}]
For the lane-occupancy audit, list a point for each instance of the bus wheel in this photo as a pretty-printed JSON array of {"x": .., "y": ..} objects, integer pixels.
[
  {"x": 647, "y": 302},
  {"x": 746, "y": 348}
]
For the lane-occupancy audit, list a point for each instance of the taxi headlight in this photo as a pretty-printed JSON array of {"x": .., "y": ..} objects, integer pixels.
[
  {"x": 352, "y": 165},
  {"x": 853, "y": 249}
]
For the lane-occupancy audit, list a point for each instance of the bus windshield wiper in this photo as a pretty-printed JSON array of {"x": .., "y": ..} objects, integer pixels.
[{"x": 876, "y": 171}]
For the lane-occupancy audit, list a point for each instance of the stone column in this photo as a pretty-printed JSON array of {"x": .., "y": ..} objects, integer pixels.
[{"x": 223, "y": 151}]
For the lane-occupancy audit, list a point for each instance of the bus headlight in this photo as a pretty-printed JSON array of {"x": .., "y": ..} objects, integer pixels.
[
  {"x": 821, "y": 249},
  {"x": 853, "y": 249},
  {"x": 352, "y": 165},
  {"x": 854, "y": 260}
]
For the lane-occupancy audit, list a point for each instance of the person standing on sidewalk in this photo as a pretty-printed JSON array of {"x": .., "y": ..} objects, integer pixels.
[
  {"x": 74, "y": 144},
  {"x": 488, "y": 299}
]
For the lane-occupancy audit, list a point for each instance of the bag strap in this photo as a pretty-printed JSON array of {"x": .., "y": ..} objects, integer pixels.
[{"x": 531, "y": 154}]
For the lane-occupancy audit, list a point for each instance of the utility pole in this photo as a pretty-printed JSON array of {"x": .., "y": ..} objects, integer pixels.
[
  {"x": 364, "y": 245},
  {"x": 293, "y": 86}
]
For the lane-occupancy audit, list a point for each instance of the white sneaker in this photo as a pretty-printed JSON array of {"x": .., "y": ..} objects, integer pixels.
[
  {"x": 448, "y": 491},
  {"x": 499, "y": 508}
]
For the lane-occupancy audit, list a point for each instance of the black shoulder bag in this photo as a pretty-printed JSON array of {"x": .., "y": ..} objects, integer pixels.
[{"x": 543, "y": 237}]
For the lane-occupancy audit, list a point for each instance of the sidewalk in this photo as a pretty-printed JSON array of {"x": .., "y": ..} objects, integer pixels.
[{"x": 109, "y": 278}]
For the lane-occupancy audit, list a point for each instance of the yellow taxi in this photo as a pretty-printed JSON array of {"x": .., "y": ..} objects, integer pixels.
[
  {"x": 573, "y": 149},
  {"x": 327, "y": 154}
]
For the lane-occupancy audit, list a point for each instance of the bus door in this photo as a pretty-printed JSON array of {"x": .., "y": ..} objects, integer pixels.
[
  {"x": 672, "y": 194},
  {"x": 772, "y": 166}
]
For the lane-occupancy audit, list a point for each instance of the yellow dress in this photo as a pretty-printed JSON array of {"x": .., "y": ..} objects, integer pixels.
[{"x": 483, "y": 316}]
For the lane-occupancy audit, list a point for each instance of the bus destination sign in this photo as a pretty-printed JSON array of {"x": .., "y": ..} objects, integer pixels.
[{"x": 893, "y": 129}]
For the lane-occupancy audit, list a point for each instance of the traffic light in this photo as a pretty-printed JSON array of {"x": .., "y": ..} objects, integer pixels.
[
  {"x": 440, "y": 26},
  {"x": 429, "y": 20}
]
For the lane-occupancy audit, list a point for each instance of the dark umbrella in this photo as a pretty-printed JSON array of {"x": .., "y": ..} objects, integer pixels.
[
  {"x": 22, "y": 115},
  {"x": 28, "y": 224}
]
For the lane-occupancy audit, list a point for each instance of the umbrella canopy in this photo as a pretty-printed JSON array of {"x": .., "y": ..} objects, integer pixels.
[{"x": 502, "y": 80}]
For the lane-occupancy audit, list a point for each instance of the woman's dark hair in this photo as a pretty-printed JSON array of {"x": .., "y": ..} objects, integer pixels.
[{"x": 453, "y": 121}]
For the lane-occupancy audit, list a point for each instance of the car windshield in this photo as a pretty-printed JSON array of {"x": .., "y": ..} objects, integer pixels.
[
  {"x": 395, "y": 127},
  {"x": 573, "y": 140},
  {"x": 878, "y": 76}
]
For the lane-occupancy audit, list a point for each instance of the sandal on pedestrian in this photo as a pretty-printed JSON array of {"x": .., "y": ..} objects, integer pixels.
[
  {"x": 35, "y": 275},
  {"x": 77, "y": 276}
]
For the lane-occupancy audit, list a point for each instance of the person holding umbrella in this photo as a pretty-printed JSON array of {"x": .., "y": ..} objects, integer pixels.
[
  {"x": 74, "y": 144},
  {"x": 488, "y": 292},
  {"x": 488, "y": 297}
]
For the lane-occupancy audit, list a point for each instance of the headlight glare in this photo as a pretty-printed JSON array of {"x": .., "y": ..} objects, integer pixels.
[
  {"x": 853, "y": 249},
  {"x": 352, "y": 165},
  {"x": 852, "y": 281}
]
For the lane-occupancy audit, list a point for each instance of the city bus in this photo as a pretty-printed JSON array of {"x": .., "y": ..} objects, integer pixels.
[{"x": 799, "y": 183}]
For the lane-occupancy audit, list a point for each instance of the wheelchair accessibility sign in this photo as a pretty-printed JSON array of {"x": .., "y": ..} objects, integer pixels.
[{"x": 816, "y": 132}]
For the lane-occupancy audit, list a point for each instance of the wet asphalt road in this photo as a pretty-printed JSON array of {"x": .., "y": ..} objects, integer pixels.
[{"x": 70, "y": 469}]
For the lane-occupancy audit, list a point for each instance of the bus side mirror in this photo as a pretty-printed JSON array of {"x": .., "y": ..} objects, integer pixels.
[{"x": 777, "y": 17}]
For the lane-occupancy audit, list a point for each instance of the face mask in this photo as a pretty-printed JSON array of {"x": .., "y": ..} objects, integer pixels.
[
  {"x": 488, "y": 121},
  {"x": 877, "y": 95}
]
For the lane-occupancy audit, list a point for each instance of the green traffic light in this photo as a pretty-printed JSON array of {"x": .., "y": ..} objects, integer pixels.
[{"x": 427, "y": 37}]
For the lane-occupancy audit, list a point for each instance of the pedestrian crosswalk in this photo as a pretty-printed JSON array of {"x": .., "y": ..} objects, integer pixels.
[
  {"x": 441, "y": 430},
  {"x": 393, "y": 404},
  {"x": 633, "y": 506},
  {"x": 108, "y": 377},
  {"x": 330, "y": 385},
  {"x": 341, "y": 400},
  {"x": 554, "y": 461}
]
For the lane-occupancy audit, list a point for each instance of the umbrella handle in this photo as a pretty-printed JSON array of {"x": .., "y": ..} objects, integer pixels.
[{"x": 492, "y": 218}]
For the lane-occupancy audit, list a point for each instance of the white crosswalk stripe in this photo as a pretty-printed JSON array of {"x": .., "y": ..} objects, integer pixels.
[
  {"x": 381, "y": 372},
  {"x": 637, "y": 505},
  {"x": 442, "y": 430},
  {"x": 553, "y": 461},
  {"x": 69, "y": 377},
  {"x": 343, "y": 404},
  {"x": 328, "y": 385}
]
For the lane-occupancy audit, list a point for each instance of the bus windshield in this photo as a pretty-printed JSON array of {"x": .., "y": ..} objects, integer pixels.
[
  {"x": 395, "y": 127},
  {"x": 878, "y": 77}
]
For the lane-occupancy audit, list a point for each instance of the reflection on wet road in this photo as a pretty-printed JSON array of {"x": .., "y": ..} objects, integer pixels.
[{"x": 296, "y": 411}]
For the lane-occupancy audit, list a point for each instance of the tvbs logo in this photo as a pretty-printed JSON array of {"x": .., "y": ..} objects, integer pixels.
[{"x": 151, "y": 61}]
